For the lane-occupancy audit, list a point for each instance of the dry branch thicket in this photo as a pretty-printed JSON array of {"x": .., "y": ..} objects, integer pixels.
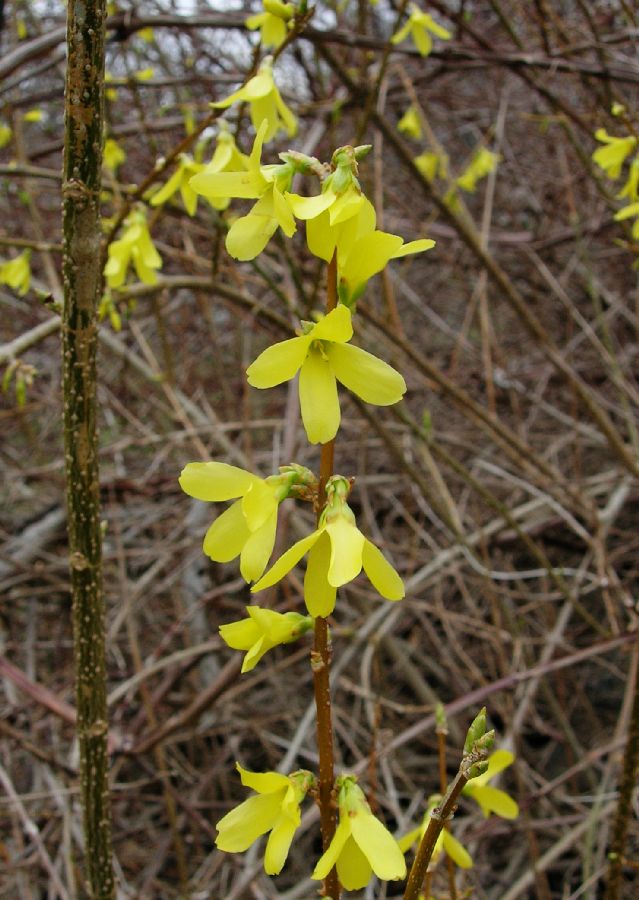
[{"x": 503, "y": 487}]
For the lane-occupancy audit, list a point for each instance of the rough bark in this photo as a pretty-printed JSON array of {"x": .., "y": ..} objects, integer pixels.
[{"x": 84, "y": 113}]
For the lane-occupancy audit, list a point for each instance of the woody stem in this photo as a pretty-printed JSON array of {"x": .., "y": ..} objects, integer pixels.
[{"x": 321, "y": 662}]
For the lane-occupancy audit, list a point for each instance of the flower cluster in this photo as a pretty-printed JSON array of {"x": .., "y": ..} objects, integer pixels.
[
  {"x": 341, "y": 229},
  {"x": 611, "y": 157}
]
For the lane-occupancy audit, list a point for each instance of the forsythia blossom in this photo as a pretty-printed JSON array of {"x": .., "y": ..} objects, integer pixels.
[
  {"x": 483, "y": 162},
  {"x": 420, "y": 25},
  {"x": 337, "y": 552},
  {"x": 490, "y": 798},
  {"x": 263, "y": 630},
  {"x": 431, "y": 165},
  {"x": 410, "y": 123},
  {"x": 361, "y": 844},
  {"x": 226, "y": 158},
  {"x": 612, "y": 155},
  {"x": 179, "y": 181},
  {"x": 275, "y": 808},
  {"x": 247, "y": 528},
  {"x": 135, "y": 246},
  {"x": 250, "y": 234},
  {"x": 113, "y": 155},
  {"x": 5, "y": 135},
  {"x": 323, "y": 356},
  {"x": 272, "y": 22},
  {"x": 17, "y": 272},
  {"x": 265, "y": 103}
]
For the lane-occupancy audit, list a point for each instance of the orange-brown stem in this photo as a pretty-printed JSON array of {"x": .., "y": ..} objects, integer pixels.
[{"x": 321, "y": 663}]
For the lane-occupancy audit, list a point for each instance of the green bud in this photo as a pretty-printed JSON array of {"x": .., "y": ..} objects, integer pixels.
[
  {"x": 342, "y": 179},
  {"x": 362, "y": 151},
  {"x": 477, "y": 770},
  {"x": 441, "y": 723},
  {"x": 475, "y": 732}
]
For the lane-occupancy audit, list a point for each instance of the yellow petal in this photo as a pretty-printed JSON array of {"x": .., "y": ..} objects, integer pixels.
[
  {"x": 310, "y": 207},
  {"x": 215, "y": 481},
  {"x": 369, "y": 256},
  {"x": 166, "y": 192},
  {"x": 345, "y": 207},
  {"x": 288, "y": 119},
  {"x": 328, "y": 861},
  {"x": 336, "y": 326},
  {"x": 319, "y": 595},
  {"x": 379, "y": 846},
  {"x": 257, "y": 550},
  {"x": 255, "y": 654},
  {"x": 353, "y": 868},
  {"x": 240, "y": 635},
  {"x": 365, "y": 375},
  {"x": 491, "y": 799},
  {"x": 347, "y": 543},
  {"x": 279, "y": 362},
  {"x": 381, "y": 574},
  {"x": 456, "y": 851},
  {"x": 423, "y": 40},
  {"x": 286, "y": 562},
  {"x": 279, "y": 843},
  {"x": 414, "y": 247},
  {"x": 409, "y": 839},
  {"x": 249, "y": 235},
  {"x": 497, "y": 762},
  {"x": 227, "y": 535},
  {"x": 244, "y": 824},
  {"x": 283, "y": 213},
  {"x": 263, "y": 782},
  {"x": 242, "y": 185},
  {"x": 320, "y": 237},
  {"x": 259, "y": 503},
  {"x": 318, "y": 399}
]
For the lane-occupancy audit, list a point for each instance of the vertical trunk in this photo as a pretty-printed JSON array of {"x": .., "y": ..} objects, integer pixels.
[{"x": 84, "y": 106}]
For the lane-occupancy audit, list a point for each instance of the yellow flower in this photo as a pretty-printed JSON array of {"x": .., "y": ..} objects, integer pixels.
[
  {"x": 361, "y": 844},
  {"x": 113, "y": 155},
  {"x": 250, "y": 234},
  {"x": 5, "y": 135},
  {"x": 247, "y": 528},
  {"x": 179, "y": 181},
  {"x": 483, "y": 162},
  {"x": 489, "y": 798},
  {"x": 445, "y": 843},
  {"x": 275, "y": 808},
  {"x": 272, "y": 22},
  {"x": 323, "y": 238},
  {"x": 135, "y": 246},
  {"x": 612, "y": 156},
  {"x": 339, "y": 207},
  {"x": 431, "y": 165},
  {"x": 263, "y": 630},
  {"x": 33, "y": 115},
  {"x": 367, "y": 256},
  {"x": 226, "y": 158},
  {"x": 265, "y": 103},
  {"x": 410, "y": 123},
  {"x": 337, "y": 552},
  {"x": 419, "y": 24},
  {"x": 631, "y": 187},
  {"x": 627, "y": 213},
  {"x": 323, "y": 357},
  {"x": 17, "y": 273}
]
